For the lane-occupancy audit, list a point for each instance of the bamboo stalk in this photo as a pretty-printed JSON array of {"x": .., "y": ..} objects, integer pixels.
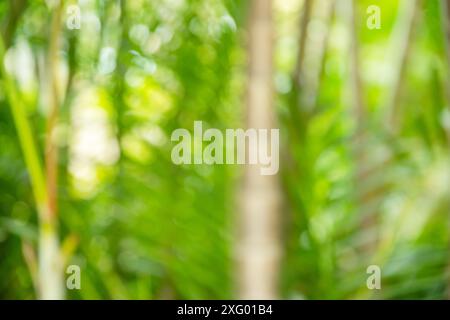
[
  {"x": 51, "y": 282},
  {"x": 25, "y": 135},
  {"x": 32, "y": 162},
  {"x": 50, "y": 277}
]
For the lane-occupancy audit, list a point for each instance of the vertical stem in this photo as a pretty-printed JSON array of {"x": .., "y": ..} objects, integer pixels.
[
  {"x": 51, "y": 282},
  {"x": 356, "y": 83},
  {"x": 258, "y": 239},
  {"x": 49, "y": 273},
  {"x": 402, "y": 41},
  {"x": 16, "y": 9},
  {"x": 359, "y": 107},
  {"x": 51, "y": 148},
  {"x": 368, "y": 219},
  {"x": 445, "y": 23},
  {"x": 26, "y": 137},
  {"x": 323, "y": 52},
  {"x": 304, "y": 21}
]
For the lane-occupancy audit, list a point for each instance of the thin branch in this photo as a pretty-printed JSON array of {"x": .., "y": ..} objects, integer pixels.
[
  {"x": 304, "y": 21},
  {"x": 29, "y": 255},
  {"x": 402, "y": 41},
  {"x": 323, "y": 52},
  {"x": 445, "y": 24},
  {"x": 16, "y": 9},
  {"x": 359, "y": 105},
  {"x": 51, "y": 148},
  {"x": 363, "y": 198},
  {"x": 51, "y": 282},
  {"x": 26, "y": 138}
]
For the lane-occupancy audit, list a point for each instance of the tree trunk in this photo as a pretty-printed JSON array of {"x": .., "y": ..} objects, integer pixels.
[{"x": 258, "y": 233}]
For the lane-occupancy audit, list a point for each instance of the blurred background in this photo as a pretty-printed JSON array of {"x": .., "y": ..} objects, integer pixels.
[{"x": 91, "y": 90}]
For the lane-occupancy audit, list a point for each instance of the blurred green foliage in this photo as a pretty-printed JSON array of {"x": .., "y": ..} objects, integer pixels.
[{"x": 148, "y": 229}]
